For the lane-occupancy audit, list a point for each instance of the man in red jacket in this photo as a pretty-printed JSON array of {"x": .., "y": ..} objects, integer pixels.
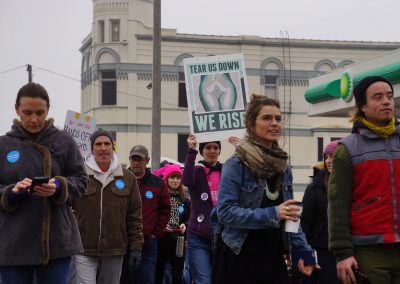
[
  {"x": 156, "y": 212},
  {"x": 364, "y": 188}
]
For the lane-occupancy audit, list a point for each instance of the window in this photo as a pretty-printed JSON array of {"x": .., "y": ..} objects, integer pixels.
[
  {"x": 100, "y": 26},
  {"x": 114, "y": 30},
  {"x": 182, "y": 147},
  {"x": 182, "y": 98},
  {"x": 320, "y": 148},
  {"x": 108, "y": 88},
  {"x": 270, "y": 86}
]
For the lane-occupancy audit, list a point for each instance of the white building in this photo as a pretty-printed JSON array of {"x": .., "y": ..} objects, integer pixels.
[{"x": 117, "y": 66}]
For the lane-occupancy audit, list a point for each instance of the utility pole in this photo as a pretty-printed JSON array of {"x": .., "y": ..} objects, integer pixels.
[
  {"x": 29, "y": 69},
  {"x": 156, "y": 120}
]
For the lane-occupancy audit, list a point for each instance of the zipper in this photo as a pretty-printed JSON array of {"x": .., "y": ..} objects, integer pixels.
[
  {"x": 101, "y": 217},
  {"x": 367, "y": 203}
]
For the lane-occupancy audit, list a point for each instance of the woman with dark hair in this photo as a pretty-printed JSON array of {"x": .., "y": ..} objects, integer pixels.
[
  {"x": 169, "y": 265},
  {"x": 255, "y": 198},
  {"x": 41, "y": 173},
  {"x": 202, "y": 180},
  {"x": 314, "y": 221}
]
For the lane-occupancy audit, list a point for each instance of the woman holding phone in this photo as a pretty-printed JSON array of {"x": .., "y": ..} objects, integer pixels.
[
  {"x": 41, "y": 172},
  {"x": 255, "y": 199}
]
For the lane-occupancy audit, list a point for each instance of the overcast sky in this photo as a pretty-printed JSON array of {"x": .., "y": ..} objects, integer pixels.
[{"x": 48, "y": 35}]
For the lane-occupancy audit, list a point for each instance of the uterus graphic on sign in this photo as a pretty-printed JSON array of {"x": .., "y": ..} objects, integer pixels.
[{"x": 217, "y": 92}]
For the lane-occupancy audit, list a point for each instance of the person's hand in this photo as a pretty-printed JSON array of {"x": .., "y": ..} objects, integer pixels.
[
  {"x": 22, "y": 186},
  {"x": 344, "y": 269},
  {"x": 306, "y": 269},
  {"x": 182, "y": 228},
  {"x": 134, "y": 259},
  {"x": 46, "y": 189},
  {"x": 192, "y": 142},
  {"x": 287, "y": 259},
  {"x": 168, "y": 229},
  {"x": 233, "y": 140},
  {"x": 288, "y": 211}
]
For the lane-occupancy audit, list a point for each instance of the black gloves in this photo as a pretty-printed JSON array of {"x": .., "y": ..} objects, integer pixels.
[{"x": 134, "y": 259}]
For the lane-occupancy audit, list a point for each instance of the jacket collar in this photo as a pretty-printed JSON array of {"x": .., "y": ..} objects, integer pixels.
[{"x": 91, "y": 166}]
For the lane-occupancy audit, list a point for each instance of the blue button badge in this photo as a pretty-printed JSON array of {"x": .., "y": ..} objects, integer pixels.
[
  {"x": 181, "y": 209},
  {"x": 119, "y": 183},
  {"x": 13, "y": 156},
  {"x": 149, "y": 194}
]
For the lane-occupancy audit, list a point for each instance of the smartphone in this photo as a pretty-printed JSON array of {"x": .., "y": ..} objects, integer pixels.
[
  {"x": 309, "y": 257},
  {"x": 37, "y": 181}
]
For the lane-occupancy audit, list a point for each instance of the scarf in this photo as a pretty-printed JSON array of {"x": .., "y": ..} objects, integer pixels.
[
  {"x": 217, "y": 167},
  {"x": 175, "y": 202},
  {"x": 263, "y": 162},
  {"x": 383, "y": 131}
]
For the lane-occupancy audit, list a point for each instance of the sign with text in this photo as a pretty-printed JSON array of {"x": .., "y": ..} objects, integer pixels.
[
  {"x": 217, "y": 94},
  {"x": 81, "y": 128}
]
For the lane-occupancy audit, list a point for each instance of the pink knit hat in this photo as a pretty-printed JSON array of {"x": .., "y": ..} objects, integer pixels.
[
  {"x": 169, "y": 169},
  {"x": 331, "y": 147}
]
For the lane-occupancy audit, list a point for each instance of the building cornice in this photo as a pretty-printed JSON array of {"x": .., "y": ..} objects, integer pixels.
[{"x": 273, "y": 42}]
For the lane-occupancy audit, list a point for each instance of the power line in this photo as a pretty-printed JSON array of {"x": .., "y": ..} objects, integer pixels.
[
  {"x": 6, "y": 71},
  {"x": 58, "y": 74},
  {"x": 96, "y": 85}
]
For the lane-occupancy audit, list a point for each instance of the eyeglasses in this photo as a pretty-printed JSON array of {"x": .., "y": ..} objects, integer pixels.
[{"x": 270, "y": 118}]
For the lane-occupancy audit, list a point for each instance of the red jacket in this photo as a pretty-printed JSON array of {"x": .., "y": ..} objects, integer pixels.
[
  {"x": 156, "y": 205},
  {"x": 374, "y": 214}
]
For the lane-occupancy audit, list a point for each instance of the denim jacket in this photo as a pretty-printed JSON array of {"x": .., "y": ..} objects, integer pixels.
[{"x": 238, "y": 209}]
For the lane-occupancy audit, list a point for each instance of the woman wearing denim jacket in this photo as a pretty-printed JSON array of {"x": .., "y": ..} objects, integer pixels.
[{"x": 255, "y": 197}]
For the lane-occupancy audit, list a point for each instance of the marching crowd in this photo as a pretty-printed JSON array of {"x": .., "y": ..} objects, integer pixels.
[{"x": 65, "y": 219}]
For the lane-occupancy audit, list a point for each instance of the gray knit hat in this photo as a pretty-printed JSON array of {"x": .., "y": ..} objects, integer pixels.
[{"x": 97, "y": 134}]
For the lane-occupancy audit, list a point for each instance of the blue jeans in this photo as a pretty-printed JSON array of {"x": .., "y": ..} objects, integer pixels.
[
  {"x": 186, "y": 272},
  {"x": 54, "y": 272},
  {"x": 147, "y": 268},
  {"x": 200, "y": 259}
]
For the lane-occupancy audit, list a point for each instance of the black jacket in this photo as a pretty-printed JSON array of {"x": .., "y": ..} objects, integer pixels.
[{"x": 314, "y": 218}]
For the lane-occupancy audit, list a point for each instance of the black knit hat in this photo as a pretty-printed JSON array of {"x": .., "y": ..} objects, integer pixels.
[
  {"x": 203, "y": 144},
  {"x": 97, "y": 134},
  {"x": 362, "y": 86}
]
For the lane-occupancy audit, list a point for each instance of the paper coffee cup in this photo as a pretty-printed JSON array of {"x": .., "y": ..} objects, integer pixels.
[{"x": 293, "y": 226}]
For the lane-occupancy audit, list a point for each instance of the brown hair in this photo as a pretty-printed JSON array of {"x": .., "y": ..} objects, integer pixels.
[
  {"x": 180, "y": 188},
  {"x": 32, "y": 90},
  {"x": 252, "y": 110}
]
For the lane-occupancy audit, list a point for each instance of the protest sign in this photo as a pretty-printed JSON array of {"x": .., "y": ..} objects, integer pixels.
[
  {"x": 81, "y": 128},
  {"x": 217, "y": 94}
]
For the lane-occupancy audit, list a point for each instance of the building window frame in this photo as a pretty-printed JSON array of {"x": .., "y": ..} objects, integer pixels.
[
  {"x": 271, "y": 86},
  {"x": 182, "y": 96},
  {"x": 108, "y": 87},
  {"x": 115, "y": 30},
  {"x": 100, "y": 33},
  {"x": 182, "y": 146}
]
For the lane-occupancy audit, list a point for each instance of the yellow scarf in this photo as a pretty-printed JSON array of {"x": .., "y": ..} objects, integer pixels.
[{"x": 383, "y": 131}]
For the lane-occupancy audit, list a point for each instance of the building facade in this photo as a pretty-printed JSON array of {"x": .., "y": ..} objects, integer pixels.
[{"x": 117, "y": 75}]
